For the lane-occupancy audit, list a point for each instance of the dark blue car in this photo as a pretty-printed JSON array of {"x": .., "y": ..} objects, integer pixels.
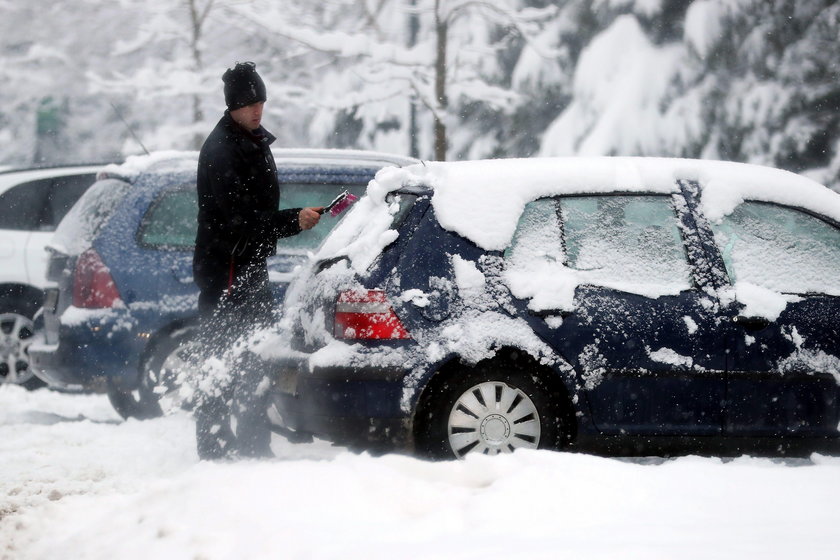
[
  {"x": 122, "y": 298},
  {"x": 489, "y": 306}
]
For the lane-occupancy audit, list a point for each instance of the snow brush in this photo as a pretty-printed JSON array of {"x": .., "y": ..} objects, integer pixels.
[{"x": 339, "y": 204}]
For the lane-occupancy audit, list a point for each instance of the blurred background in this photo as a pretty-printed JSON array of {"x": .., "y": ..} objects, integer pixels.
[{"x": 743, "y": 80}]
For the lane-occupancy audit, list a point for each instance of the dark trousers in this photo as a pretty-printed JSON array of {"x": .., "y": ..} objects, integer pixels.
[{"x": 229, "y": 377}]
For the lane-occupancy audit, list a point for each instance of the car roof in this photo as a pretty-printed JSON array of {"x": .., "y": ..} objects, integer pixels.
[
  {"x": 184, "y": 162},
  {"x": 336, "y": 156},
  {"x": 482, "y": 200},
  {"x": 11, "y": 177}
]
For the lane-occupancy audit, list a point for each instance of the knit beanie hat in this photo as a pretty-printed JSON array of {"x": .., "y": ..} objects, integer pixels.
[{"x": 243, "y": 86}]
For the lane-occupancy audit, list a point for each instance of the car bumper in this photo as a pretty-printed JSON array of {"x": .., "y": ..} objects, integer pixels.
[
  {"x": 89, "y": 356},
  {"x": 342, "y": 404}
]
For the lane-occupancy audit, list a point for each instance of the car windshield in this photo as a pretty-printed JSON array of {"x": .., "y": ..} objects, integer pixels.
[{"x": 81, "y": 224}]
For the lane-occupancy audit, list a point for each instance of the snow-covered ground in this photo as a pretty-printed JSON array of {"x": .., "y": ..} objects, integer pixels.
[{"x": 78, "y": 482}]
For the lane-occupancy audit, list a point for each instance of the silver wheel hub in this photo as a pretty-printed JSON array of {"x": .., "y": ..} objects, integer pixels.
[
  {"x": 493, "y": 418},
  {"x": 495, "y": 429},
  {"x": 16, "y": 332}
]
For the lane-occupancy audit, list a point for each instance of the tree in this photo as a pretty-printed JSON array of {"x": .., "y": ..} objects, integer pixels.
[
  {"x": 772, "y": 71},
  {"x": 43, "y": 61},
  {"x": 751, "y": 81},
  {"x": 450, "y": 63}
]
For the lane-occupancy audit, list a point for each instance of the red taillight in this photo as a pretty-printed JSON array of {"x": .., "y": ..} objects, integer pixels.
[
  {"x": 93, "y": 287},
  {"x": 366, "y": 314}
]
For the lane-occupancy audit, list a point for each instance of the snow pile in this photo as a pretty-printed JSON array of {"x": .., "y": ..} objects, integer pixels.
[
  {"x": 79, "y": 483},
  {"x": 366, "y": 230}
]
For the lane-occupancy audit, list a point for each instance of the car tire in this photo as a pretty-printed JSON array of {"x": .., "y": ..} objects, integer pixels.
[
  {"x": 17, "y": 331},
  {"x": 489, "y": 410},
  {"x": 157, "y": 392}
]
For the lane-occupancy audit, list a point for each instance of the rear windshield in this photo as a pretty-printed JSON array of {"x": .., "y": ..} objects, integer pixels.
[
  {"x": 303, "y": 195},
  {"x": 367, "y": 230},
  {"x": 80, "y": 225}
]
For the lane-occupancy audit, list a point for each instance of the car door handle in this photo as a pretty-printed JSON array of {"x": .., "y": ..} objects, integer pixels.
[{"x": 752, "y": 323}]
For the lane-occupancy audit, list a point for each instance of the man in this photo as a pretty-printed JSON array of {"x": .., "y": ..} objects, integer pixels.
[{"x": 238, "y": 227}]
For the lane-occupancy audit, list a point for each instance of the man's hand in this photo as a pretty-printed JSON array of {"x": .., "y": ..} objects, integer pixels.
[{"x": 308, "y": 217}]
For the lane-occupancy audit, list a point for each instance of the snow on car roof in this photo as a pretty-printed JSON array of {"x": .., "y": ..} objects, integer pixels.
[
  {"x": 482, "y": 200},
  {"x": 165, "y": 160},
  {"x": 175, "y": 161},
  {"x": 330, "y": 156}
]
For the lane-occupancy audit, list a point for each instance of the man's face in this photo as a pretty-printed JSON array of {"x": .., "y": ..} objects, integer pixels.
[{"x": 249, "y": 116}]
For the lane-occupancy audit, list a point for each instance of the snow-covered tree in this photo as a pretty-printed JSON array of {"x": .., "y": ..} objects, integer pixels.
[
  {"x": 747, "y": 80},
  {"x": 753, "y": 80},
  {"x": 46, "y": 50},
  {"x": 771, "y": 81},
  {"x": 375, "y": 64}
]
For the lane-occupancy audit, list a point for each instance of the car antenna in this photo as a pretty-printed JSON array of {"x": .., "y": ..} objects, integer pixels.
[{"x": 128, "y": 126}]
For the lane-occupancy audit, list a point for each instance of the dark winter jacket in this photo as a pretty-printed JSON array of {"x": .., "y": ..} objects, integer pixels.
[{"x": 238, "y": 197}]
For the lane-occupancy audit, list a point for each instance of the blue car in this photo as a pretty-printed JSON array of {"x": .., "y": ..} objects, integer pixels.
[
  {"x": 487, "y": 306},
  {"x": 121, "y": 299}
]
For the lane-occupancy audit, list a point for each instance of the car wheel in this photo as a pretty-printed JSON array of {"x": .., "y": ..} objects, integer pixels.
[
  {"x": 488, "y": 411},
  {"x": 16, "y": 334},
  {"x": 159, "y": 386}
]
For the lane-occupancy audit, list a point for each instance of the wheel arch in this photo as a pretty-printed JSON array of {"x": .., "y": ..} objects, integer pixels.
[
  {"x": 162, "y": 334},
  {"x": 22, "y": 292},
  {"x": 558, "y": 378}
]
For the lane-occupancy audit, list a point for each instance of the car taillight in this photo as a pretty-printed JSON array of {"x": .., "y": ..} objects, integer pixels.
[
  {"x": 93, "y": 286},
  {"x": 366, "y": 314}
]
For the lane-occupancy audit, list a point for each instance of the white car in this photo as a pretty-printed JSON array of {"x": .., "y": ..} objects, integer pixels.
[{"x": 32, "y": 202}]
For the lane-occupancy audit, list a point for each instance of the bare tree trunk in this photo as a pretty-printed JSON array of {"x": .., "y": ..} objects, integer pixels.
[
  {"x": 441, "y": 29},
  {"x": 413, "y": 31},
  {"x": 197, "y": 20}
]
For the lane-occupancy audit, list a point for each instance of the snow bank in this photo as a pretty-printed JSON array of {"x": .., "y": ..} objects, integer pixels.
[{"x": 80, "y": 483}]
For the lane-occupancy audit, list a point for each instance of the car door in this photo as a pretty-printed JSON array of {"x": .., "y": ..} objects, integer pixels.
[
  {"x": 20, "y": 214},
  {"x": 784, "y": 360},
  {"x": 166, "y": 240},
  {"x": 62, "y": 192},
  {"x": 608, "y": 283}
]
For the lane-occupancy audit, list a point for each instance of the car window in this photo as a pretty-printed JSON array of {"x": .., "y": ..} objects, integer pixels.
[
  {"x": 64, "y": 193},
  {"x": 538, "y": 236},
  {"x": 84, "y": 220},
  {"x": 300, "y": 195},
  {"x": 21, "y": 206},
  {"x": 172, "y": 221},
  {"x": 610, "y": 240},
  {"x": 780, "y": 248}
]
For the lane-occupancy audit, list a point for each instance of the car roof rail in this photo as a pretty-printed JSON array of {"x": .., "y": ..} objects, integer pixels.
[
  {"x": 332, "y": 155},
  {"x": 47, "y": 167}
]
